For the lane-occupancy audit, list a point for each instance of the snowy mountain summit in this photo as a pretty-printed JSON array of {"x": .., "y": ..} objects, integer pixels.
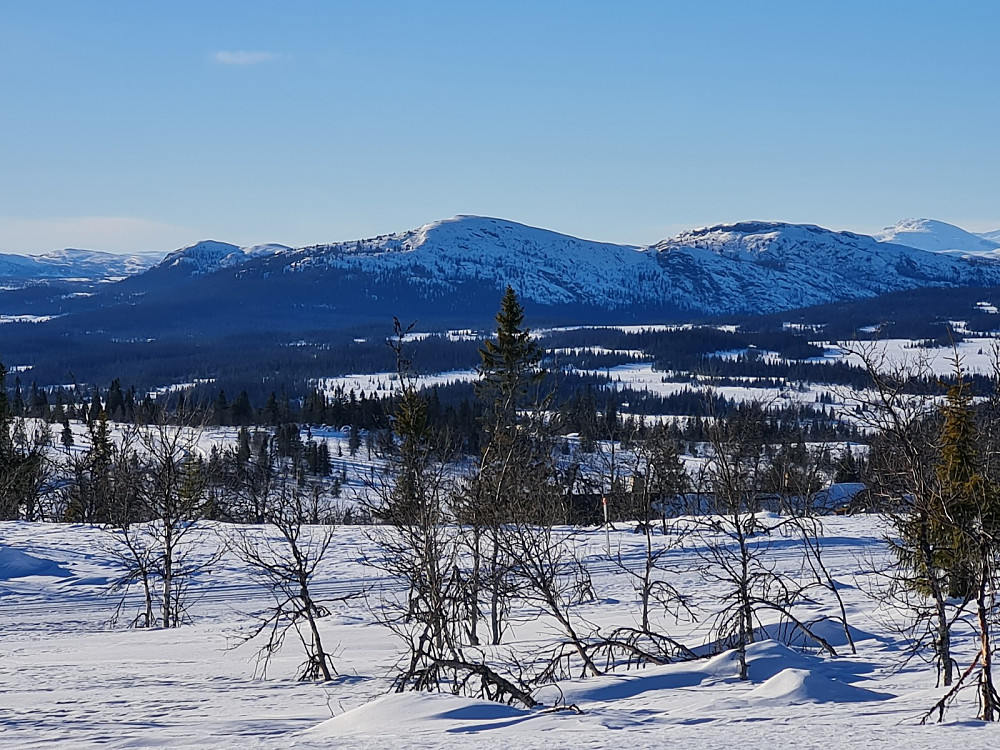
[
  {"x": 452, "y": 272},
  {"x": 438, "y": 258},
  {"x": 939, "y": 237},
  {"x": 771, "y": 266},
  {"x": 209, "y": 255}
]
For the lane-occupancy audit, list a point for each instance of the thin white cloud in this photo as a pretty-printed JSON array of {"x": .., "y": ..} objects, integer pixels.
[
  {"x": 115, "y": 234},
  {"x": 243, "y": 57}
]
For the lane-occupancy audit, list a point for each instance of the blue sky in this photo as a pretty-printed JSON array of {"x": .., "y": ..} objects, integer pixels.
[{"x": 140, "y": 126}]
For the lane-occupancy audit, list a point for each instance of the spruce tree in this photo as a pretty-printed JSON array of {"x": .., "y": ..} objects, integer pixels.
[
  {"x": 17, "y": 407},
  {"x": 509, "y": 372},
  {"x": 965, "y": 531},
  {"x": 241, "y": 411},
  {"x": 96, "y": 407},
  {"x": 22, "y": 458},
  {"x": 512, "y": 484},
  {"x": 963, "y": 493},
  {"x": 115, "y": 406},
  {"x": 220, "y": 409},
  {"x": 509, "y": 364},
  {"x": 270, "y": 411}
]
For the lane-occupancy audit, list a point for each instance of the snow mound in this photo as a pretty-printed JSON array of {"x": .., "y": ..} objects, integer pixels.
[
  {"x": 618, "y": 687},
  {"x": 17, "y": 564},
  {"x": 765, "y": 659},
  {"x": 832, "y": 631},
  {"x": 805, "y": 686},
  {"x": 403, "y": 713}
]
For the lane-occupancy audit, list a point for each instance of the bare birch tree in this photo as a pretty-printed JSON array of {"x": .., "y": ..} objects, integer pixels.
[{"x": 284, "y": 556}]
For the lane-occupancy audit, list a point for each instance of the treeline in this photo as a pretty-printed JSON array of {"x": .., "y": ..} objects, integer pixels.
[
  {"x": 579, "y": 399},
  {"x": 117, "y": 475},
  {"x": 258, "y": 364},
  {"x": 913, "y": 314}
]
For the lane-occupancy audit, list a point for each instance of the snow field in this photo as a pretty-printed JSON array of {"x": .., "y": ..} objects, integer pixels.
[{"x": 69, "y": 679}]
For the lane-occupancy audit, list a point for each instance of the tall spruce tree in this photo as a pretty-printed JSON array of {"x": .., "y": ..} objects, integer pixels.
[
  {"x": 509, "y": 364},
  {"x": 512, "y": 482},
  {"x": 515, "y": 459}
]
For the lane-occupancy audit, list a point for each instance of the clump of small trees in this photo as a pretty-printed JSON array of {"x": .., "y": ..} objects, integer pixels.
[
  {"x": 24, "y": 469},
  {"x": 478, "y": 552},
  {"x": 933, "y": 470}
]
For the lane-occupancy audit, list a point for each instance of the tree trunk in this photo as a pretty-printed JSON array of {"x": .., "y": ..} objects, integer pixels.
[
  {"x": 987, "y": 693},
  {"x": 943, "y": 645},
  {"x": 474, "y": 586},
  {"x": 647, "y": 583},
  {"x": 168, "y": 580},
  {"x": 318, "y": 655},
  {"x": 495, "y": 616}
]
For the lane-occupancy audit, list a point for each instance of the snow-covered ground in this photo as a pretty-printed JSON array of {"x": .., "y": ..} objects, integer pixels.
[
  {"x": 976, "y": 354},
  {"x": 26, "y": 318},
  {"x": 384, "y": 384},
  {"x": 69, "y": 679},
  {"x": 644, "y": 377}
]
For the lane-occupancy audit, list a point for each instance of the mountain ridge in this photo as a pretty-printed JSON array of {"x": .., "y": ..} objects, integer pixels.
[
  {"x": 456, "y": 268},
  {"x": 71, "y": 263},
  {"x": 726, "y": 268},
  {"x": 212, "y": 304}
]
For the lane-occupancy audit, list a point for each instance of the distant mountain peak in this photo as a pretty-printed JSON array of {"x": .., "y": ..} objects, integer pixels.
[
  {"x": 756, "y": 237},
  {"x": 74, "y": 263},
  {"x": 938, "y": 237},
  {"x": 207, "y": 256}
]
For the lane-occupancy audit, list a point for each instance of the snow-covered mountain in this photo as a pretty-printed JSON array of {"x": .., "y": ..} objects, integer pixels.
[
  {"x": 463, "y": 263},
  {"x": 207, "y": 307},
  {"x": 772, "y": 266},
  {"x": 994, "y": 236},
  {"x": 939, "y": 237},
  {"x": 74, "y": 264},
  {"x": 453, "y": 272},
  {"x": 439, "y": 258},
  {"x": 208, "y": 256}
]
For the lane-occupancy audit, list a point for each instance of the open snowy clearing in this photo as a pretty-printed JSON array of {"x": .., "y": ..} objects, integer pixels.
[
  {"x": 642, "y": 376},
  {"x": 976, "y": 354},
  {"x": 386, "y": 384},
  {"x": 70, "y": 679}
]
